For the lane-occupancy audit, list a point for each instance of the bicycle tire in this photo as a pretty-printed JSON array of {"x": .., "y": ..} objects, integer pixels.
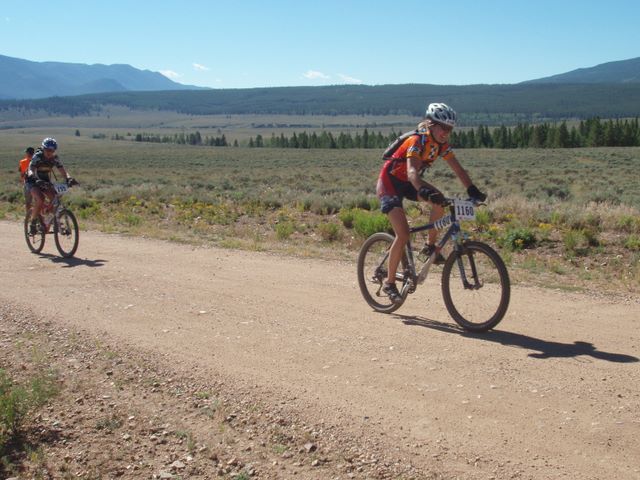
[
  {"x": 372, "y": 272},
  {"x": 35, "y": 237},
  {"x": 66, "y": 233},
  {"x": 484, "y": 305}
]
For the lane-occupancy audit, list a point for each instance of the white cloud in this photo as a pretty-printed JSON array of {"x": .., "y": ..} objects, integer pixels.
[
  {"x": 314, "y": 75},
  {"x": 200, "y": 68},
  {"x": 170, "y": 74},
  {"x": 348, "y": 79}
]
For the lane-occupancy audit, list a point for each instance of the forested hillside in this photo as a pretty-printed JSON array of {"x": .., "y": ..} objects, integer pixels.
[{"x": 480, "y": 103}]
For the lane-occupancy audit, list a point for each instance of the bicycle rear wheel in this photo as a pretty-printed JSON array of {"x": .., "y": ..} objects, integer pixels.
[
  {"x": 372, "y": 271},
  {"x": 66, "y": 233},
  {"x": 34, "y": 233},
  {"x": 476, "y": 287}
]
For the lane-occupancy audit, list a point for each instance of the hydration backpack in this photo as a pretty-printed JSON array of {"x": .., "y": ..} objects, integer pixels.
[{"x": 393, "y": 146}]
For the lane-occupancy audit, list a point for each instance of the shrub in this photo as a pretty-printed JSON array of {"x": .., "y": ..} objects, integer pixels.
[
  {"x": 557, "y": 191},
  {"x": 368, "y": 223},
  {"x": 284, "y": 230},
  {"x": 324, "y": 206},
  {"x": 329, "y": 232},
  {"x": 483, "y": 219},
  {"x": 590, "y": 221},
  {"x": 132, "y": 220},
  {"x": 519, "y": 238},
  {"x": 17, "y": 401},
  {"x": 632, "y": 243},
  {"x": 576, "y": 242},
  {"x": 12, "y": 196},
  {"x": 346, "y": 217},
  {"x": 544, "y": 229},
  {"x": 628, "y": 224},
  {"x": 558, "y": 218},
  {"x": 571, "y": 239},
  {"x": 361, "y": 201},
  {"x": 591, "y": 236}
]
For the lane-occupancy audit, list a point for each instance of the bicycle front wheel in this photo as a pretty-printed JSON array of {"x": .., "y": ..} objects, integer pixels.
[
  {"x": 372, "y": 271},
  {"x": 66, "y": 233},
  {"x": 476, "y": 287},
  {"x": 34, "y": 233}
]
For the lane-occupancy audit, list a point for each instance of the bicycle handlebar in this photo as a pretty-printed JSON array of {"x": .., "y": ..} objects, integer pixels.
[{"x": 449, "y": 201}]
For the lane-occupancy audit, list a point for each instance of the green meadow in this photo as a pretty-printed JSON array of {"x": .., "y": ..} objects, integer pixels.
[{"x": 566, "y": 217}]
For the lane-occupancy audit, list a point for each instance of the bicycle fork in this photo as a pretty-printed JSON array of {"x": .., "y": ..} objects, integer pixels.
[{"x": 477, "y": 284}]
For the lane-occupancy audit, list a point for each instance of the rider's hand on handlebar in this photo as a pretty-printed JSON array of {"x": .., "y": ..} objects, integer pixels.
[
  {"x": 40, "y": 183},
  {"x": 71, "y": 181},
  {"x": 476, "y": 194}
]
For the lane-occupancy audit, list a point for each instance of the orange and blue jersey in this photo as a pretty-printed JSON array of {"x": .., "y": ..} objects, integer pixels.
[
  {"x": 420, "y": 146},
  {"x": 394, "y": 181}
]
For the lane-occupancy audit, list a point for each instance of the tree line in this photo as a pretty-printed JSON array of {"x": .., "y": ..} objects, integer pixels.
[
  {"x": 182, "y": 139},
  {"x": 588, "y": 133},
  {"x": 593, "y": 132}
]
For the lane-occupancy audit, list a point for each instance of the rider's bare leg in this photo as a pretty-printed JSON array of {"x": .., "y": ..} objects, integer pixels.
[
  {"x": 400, "y": 226},
  {"x": 437, "y": 212},
  {"x": 38, "y": 200}
]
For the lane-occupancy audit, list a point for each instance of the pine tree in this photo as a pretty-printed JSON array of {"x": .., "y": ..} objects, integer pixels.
[{"x": 563, "y": 139}]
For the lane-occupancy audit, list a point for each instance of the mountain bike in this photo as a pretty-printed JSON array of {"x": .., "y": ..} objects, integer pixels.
[
  {"x": 56, "y": 215},
  {"x": 475, "y": 282}
]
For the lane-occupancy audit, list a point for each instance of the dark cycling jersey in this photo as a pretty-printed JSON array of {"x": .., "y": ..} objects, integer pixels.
[{"x": 41, "y": 167}]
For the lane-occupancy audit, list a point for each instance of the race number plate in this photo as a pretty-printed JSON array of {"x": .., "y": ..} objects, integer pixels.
[
  {"x": 61, "y": 188},
  {"x": 465, "y": 210}
]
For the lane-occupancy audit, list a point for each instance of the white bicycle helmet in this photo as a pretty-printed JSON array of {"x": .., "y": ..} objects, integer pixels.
[{"x": 441, "y": 113}]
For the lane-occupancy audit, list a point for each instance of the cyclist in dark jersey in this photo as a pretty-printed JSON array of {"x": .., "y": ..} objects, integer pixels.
[
  {"x": 401, "y": 177},
  {"x": 39, "y": 173}
]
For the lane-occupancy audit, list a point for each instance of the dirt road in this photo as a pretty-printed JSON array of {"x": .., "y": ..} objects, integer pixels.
[{"x": 552, "y": 393}]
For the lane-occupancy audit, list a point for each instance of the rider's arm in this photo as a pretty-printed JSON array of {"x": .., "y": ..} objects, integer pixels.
[
  {"x": 413, "y": 174},
  {"x": 32, "y": 168},
  {"x": 63, "y": 172}
]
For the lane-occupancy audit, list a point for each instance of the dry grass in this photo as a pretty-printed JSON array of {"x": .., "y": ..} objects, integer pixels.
[{"x": 581, "y": 206}]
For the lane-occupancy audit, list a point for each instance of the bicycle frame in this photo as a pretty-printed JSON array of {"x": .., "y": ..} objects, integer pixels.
[
  {"x": 452, "y": 234},
  {"x": 52, "y": 206}
]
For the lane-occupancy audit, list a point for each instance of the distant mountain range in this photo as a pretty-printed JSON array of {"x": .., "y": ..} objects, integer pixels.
[
  {"x": 610, "y": 90},
  {"x": 24, "y": 79},
  {"x": 21, "y": 79},
  {"x": 623, "y": 71}
]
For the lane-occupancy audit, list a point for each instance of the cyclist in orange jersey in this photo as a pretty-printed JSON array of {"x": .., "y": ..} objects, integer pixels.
[
  {"x": 401, "y": 177},
  {"x": 23, "y": 166}
]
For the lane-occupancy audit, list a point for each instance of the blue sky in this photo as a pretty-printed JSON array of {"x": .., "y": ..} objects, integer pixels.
[{"x": 238, "y": 44}]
